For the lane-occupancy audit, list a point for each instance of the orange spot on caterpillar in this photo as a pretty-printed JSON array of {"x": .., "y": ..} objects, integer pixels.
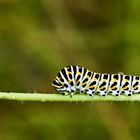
[
  {"x": 125, "y": 88},
  {"x": 135, "y": 88},
  {"x": 84, "y": 83},
  {"x": 113, "y": 88},
  {"x": 91, "y": 87},
  {"x": 101, "y": 88},
  {"x": 79, "y": 73}
]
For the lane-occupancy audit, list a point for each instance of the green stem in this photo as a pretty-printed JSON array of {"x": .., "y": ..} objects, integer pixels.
[{"x": 57, "y": 97}]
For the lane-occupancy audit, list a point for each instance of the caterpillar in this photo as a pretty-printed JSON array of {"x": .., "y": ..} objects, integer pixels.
[{"x": 77, "y": 78}]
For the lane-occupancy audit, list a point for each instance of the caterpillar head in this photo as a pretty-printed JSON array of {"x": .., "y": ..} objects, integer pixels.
[{"x": 60, "y": 87}]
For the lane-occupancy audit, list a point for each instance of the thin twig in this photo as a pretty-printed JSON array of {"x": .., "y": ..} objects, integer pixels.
[{"x": 58, "y": 97}]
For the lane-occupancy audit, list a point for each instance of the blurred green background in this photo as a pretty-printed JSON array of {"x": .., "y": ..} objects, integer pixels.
[{"x": 38, "y": 38}]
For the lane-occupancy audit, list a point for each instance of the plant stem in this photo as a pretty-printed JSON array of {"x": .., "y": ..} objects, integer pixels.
[{"x": 57, "y": 97}]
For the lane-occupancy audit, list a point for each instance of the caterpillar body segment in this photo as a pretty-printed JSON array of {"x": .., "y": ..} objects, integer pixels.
[
  {"x": 126, "y": 85},
  {"x": 77, "y": 78},
  {"x": 135, "y": 84},
  {"x": 70, "y": 78},
  {"x": 85, "y": 81},
  {"x": 63, "y": 86},
  {"x": 114, "y": 84},
  {"x": 93, "y": 83},
  {"x": 102, "y": 88}
]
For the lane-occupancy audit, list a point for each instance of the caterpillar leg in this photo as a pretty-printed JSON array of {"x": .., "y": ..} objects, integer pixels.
[
  {"x": 128, "y": 93},
  {"x": 82, "y": 91},
  {"x": 71, "y": 94},
  {"x": 90, "y": 93},
  {"x": 65, "y": 93},
  {"x": 115, "y": 93},
  {"x": 101, "y": 93}
]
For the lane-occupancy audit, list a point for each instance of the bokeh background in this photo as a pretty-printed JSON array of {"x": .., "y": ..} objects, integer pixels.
[{"x": 38, "y": 38}]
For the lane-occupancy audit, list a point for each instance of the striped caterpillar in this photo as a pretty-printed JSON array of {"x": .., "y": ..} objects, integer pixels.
[{"x": 73, "y": 78}]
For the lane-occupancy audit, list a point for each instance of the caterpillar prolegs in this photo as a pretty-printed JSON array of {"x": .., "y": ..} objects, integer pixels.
[{"x": 77, "y": 78}]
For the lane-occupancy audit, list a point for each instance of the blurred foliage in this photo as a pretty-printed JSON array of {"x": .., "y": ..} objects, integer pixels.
[{"x": 38, "y": 38}]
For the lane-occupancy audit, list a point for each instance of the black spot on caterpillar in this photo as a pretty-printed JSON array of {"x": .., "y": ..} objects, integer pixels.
[{"x": 73, "y": 78}]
